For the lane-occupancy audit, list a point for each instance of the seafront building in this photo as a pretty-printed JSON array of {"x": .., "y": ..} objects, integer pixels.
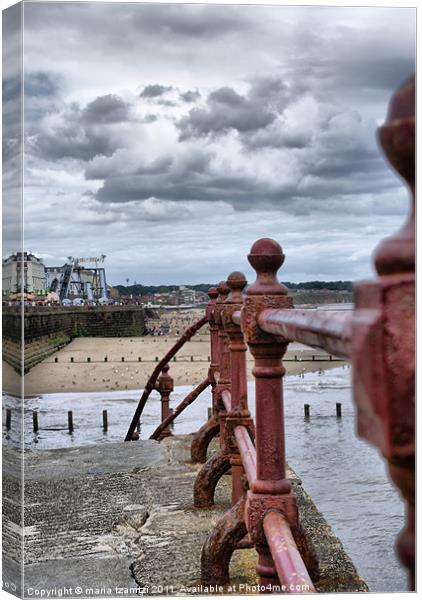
[
  {"x": 24, "y": 270},
  {"x": 187, "y": 296}
]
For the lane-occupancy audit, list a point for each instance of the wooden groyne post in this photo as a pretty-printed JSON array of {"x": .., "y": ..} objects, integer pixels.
[
  {"x": 70, "y": 421},
  {"x": 8, "y": 418},
  {"x": 105, "y": 421}
]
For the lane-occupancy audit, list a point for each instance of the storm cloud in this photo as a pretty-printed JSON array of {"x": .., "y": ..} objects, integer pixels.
[
  {"x": 226, "y": 109},
  {"x": 106, "y": 109},
  {"x": 72, "y": 131},
  {"x": 190, "y": 96},
  {"x": 191, "y": 122},
  {"x": 154, "y": 90},
  {"x": 70, "y": 137}
]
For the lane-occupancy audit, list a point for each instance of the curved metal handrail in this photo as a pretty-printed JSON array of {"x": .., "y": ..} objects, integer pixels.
[
  {"x": 190, "y": 331},
  {"x": 180, "y": 408}
]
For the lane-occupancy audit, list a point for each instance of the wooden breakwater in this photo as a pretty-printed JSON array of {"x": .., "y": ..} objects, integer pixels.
[{"x": 47, "y": 329}]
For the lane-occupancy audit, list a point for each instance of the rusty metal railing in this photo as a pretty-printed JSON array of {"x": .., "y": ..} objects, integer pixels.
[
  {"x": 325, "y": 330},
  {"x": 150, "y": 385},
  {"x": 168, "y": 419},
  {"x": 378, "y": 337},
  {"x": 254, "y": 451}
]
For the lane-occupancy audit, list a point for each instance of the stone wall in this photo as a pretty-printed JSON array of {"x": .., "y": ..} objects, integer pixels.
[{"x": 47, "y": 329}]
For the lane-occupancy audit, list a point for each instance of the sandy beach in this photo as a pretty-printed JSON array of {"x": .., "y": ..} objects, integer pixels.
[{"x": 69, "y": 370}]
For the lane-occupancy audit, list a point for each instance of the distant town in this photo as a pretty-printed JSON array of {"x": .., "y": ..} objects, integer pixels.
[{"x": 82, "y": 281}]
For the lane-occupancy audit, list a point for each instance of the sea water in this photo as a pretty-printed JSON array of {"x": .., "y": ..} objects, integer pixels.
[{"x": 345, "y": 476}]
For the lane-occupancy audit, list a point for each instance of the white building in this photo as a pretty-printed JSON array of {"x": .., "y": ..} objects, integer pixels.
[
  {"x": 188, "y": 296},
  {"x": 23, "y": 270}
]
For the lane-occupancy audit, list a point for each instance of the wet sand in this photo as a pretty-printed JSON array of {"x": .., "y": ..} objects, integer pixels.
[{"x": 190, "y": 367}]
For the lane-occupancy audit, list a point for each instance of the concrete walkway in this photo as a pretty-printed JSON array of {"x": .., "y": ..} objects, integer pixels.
[{"x": 117, "y": 520}]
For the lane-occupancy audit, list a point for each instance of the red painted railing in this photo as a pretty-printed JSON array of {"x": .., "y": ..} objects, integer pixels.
[
  {"x": 151, "y": 383},
  {"x": 378, "y": 339},
  {"x": 264, "y": 512}
]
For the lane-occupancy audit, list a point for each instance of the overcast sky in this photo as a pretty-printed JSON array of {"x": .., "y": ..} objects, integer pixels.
[{"x": 171, "y": 137}]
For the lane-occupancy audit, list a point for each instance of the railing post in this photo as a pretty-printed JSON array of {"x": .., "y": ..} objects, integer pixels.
[
  {"x": 165, "y": 387},
  {"x": 211, "y": 428},
  {"x": 271, "y": 490},
  {"x": 239, "y": 412},
  {"x": 214, "y": 364},
  {"x": 224, "y": 358},
  {"x": 384, "y": 332}
]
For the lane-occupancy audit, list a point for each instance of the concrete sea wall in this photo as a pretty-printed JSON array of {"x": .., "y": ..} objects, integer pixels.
[{"x": 123, "y": 519}]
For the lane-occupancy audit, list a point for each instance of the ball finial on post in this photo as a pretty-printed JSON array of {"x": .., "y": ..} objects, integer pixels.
[
  {"x": 266, "y": 257},
  {"x": 209, "y": 311},
  {"x": 236, "y": 282},
  {"x": 223, "y": 291},
  {"x": 396, "y": 254},
  {"x": 212, "y": 293}
]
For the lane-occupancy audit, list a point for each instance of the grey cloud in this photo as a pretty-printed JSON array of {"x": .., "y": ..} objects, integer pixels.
[
  {"x": 40, "y": 83},
  {"x": 335, "y": 71},
  {"x": 241, "y": 191},
  {"x": 272, "y": 90},
  {"x": 334, "y": 158},
  {"x": 11, "y": 116},
  {"x": 226, "y": 110},
  {"x": 12, "y": 88},
  {"x": 345, "y": 147},
  {"x": 375, "y": 73},
  {"x": 102, "y": 168},
  {"x": 345, "y": 165},
  {"x": 339, "y": 157},
  {"x": 158, "y": 166},
  {"x": 321, "y": 188},
  {"x": 81, "y": 145},
  {"x": 81, "y": 133},
  {"x": 155, "y": 90},
  {"x": 190, "y": 176},
  {"x": 198, "y": 22},
  {"x": 72, "y": 138},
  {"x": 118, "y": 24},
  {"x": 106, "y": 109},
  {"x": 42, "y": 96},
  {"x": 168, "y": 103},
  {"x": 150, "y": 118},
  {"x": 12, "y": 130},
  {"x": 226, "y": 96},
  {"x": 268, "y": 138},
  {"x": 151, "y": 210},
  {"x": 190, "y": 96},
  {"x": 236, "y": 149}
]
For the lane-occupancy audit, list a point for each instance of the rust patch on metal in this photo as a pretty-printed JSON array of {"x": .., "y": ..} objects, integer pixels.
[
  {"x": 384, "y": 332},
  {"x": 202, "y": 439},
  {"x": 218, "y": 549},
  {"x": 208, "y": 477}
]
